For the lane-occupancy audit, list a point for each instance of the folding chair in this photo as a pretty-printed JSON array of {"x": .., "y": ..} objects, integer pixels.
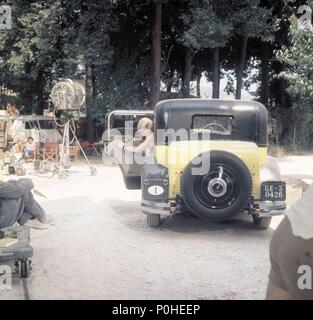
[
  {"x": 87, "y": 147},
  {"x": 51, "y": 151},
  {"x": 74, "y": 152}
]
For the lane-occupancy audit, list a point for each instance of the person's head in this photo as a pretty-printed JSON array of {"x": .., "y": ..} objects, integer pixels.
[
  {"x": 30, "y": 140},
  {"x": 145, "y": 126}
]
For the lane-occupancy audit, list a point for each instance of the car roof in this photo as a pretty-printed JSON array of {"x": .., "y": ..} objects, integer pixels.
[
  {"x": 211, "y": 105},
  {"x": 251, "y": 117}
]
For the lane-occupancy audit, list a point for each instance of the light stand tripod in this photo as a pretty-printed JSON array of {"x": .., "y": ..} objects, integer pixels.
[
  {"x": 65, "y": 149},
  {"x": 69, "y": 96}
]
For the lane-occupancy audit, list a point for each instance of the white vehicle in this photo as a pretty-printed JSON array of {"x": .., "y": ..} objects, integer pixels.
[{"x": 19, "y": 127}]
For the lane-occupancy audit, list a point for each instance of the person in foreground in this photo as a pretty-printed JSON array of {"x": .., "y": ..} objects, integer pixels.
[
  {"x": 291, "y": 253},
  {"x": 17, "y": 205}
]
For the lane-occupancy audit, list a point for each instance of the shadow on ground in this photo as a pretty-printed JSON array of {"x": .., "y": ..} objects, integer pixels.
[{"x": 242, "y": 224}]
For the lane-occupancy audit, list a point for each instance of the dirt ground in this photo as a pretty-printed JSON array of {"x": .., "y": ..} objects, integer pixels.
[{"x": 101, "y": 248}]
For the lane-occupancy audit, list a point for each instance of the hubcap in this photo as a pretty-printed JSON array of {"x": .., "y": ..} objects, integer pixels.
[{"x": 219, "y": 188}]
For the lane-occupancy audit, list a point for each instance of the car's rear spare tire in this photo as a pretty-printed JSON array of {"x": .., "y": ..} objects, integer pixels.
[{"x": 217, "y": 185}]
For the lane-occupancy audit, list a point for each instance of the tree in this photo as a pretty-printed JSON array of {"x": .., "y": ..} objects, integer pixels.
[
  {"x": 299, "y": 76},
  {"x": 155, "y": 76},
  {"x": 208, "y": 25},
  {"x": 250, "y": 20},
  {"x": 52, "y": 40},
  {"x": 123, "y": 48},
  {"x": 297, "y": 57},
  {"x": 31, "y": 53},
  {"x": 124, "y": 81},
  {"x": 91, "y": 42},
  {"x": 176, "y": 59}
]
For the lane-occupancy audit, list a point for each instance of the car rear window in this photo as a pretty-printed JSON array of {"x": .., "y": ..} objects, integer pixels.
[{"x": 214, "y": 124}]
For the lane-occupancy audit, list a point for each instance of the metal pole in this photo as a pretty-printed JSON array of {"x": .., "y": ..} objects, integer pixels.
[{"x": 65, "y": 152}]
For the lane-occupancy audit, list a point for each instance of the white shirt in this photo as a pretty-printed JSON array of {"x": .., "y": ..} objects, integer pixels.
[{"x": 301, "y": 215}]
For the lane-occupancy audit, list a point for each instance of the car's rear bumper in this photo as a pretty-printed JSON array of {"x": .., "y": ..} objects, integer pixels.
[
  {"x": 153, "y": 207},
  {"x": 266, "y": 208},
  {"x": 270, "y": 208}
]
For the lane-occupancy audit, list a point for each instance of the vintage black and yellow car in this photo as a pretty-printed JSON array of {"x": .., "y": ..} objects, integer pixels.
[{"x": 210, "y": 158}]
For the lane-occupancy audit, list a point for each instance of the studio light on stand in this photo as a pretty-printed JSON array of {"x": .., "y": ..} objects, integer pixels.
[{"x": 69, "y": 99}]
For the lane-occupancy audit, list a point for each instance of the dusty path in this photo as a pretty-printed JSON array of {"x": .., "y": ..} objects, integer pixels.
[{"x": 101, "y": 248}]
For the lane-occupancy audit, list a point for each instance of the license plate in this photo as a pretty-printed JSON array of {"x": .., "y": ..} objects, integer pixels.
[{"x": 273, "y": 191}]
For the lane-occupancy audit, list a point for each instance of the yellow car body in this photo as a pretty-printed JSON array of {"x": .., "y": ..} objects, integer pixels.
[{"x": 176, "y": 157}]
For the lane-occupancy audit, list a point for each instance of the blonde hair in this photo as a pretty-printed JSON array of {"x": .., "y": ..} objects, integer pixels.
[{"x": 145, "y": 123}]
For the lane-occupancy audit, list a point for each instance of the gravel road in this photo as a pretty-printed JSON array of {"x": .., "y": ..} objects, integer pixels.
[{"x": 101, "y": 248}]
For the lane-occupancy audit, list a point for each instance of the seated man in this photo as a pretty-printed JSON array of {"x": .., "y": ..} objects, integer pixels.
[
  {"x": 29, "y": 149},
  {"x": 17, "y": 204}
]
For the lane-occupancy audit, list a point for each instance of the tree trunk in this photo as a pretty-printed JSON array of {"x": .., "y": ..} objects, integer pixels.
[
  {"x": 283, "y": 100},
  {"x": 90, "y": 101},
  {"x": 156, "y": 53},
  {"x": 40, "y": 101},
  {"x": 216, "y": 73},
  {"x": 241, "y": 67},
  {"x": 187, "y": 72},
  {"x": 199, "y": 75},
  {"x": 282, "y": 95},
  {"x": 264, "y": 92},
  {"x": 170, "y": 81}
]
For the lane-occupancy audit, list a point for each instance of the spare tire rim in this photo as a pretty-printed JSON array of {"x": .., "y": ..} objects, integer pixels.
[{"x": 219, "y": 188}]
